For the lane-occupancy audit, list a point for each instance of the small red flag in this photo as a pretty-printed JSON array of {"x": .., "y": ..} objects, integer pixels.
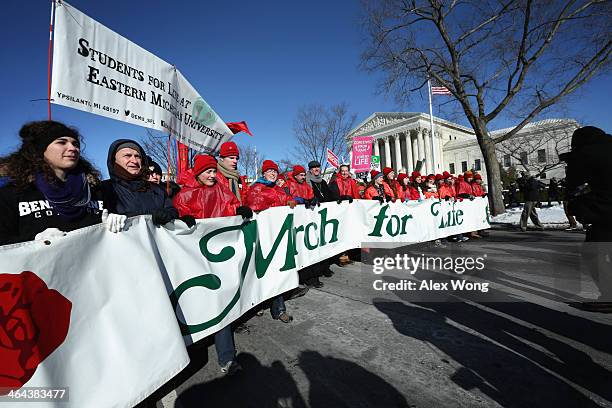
[{"x": 237, "y": 127}]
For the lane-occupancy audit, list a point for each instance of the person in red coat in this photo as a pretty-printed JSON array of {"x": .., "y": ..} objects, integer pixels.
[
  {"x": 264, "y": 193},
  {"x": 477, "y": 189},
  {"x": 406, "y": 191},
  {"x": 446, "y": 191},
  {"x": 344, "y": 187},
  {"x": 298, "y": 188},
  {"x": 227, "y": 171},
  {"x": 463, "y": 188},
  {"x": 391, "y": 182},
  {"x": 202, "y": 196},
  {"x": 378, "y": 189}
]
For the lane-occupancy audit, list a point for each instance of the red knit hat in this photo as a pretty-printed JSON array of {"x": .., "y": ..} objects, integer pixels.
[
  {"x": 477, "y": 176},
  {"x": 415, "y": 174},
  {"x": 228, "y": 149},
  {"x": 203, "y": 162},
  {"x": 439, "y": 177},
  {"x": 281, "y": 176},
  {"x": 431, "y": 176},
  {"x": 387, "y": 170},
  {"x": 468, "y": 174},
  {"x": 267, "y": 165},
  {"x": 446, "y": 175},
  {"x": 373, "y": 173},
  {"x": 401, "y": 177},
  {"x": 297, "y": 169},
  {"x": 460, "y": 177}
]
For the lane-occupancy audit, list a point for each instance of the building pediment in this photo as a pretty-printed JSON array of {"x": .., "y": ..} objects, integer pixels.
[{"x": 380, "y": 120}]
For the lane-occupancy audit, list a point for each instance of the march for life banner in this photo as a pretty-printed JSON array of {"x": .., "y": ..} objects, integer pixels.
[
  {"x": 107, "y": 317},
  {"x": 362, "y": 153},
  {"x": 97, "y": 70}
]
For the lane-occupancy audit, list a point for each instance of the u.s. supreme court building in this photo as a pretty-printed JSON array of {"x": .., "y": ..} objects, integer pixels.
[{"x": 401, "y": 139}]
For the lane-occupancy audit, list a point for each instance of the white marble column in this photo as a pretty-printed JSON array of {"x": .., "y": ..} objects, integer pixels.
[
  {"x": 398, "y": 153},
  {"x": 408, "y": 140},
  {"x": 421, "y": 147},
  {"x": 376, "y": 148},
  {"x": 387, "y": 153},
  {"x": 428, "y": 151},
  {"x": 415, "y": 148}
]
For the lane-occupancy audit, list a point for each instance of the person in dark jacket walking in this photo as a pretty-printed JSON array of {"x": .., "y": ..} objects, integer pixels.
[
  {"x": 127, "y": 191},
  {"x": 531, "y": 192},
  {"x": 553, "y": 191},
  {"x": 589, "y": 190},
  {"x": 50, "y": 188}
]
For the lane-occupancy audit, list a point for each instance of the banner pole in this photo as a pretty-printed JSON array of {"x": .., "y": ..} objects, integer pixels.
[
  {"x": 434, "y": 165},
  {"x": 168, "y": 171},
  {"x": 49, "y": 57}
]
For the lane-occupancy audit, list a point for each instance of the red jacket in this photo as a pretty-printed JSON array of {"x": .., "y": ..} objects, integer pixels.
[
  {"x": 300, "y": 189},
  {"x": 371, "y": 192},
  {"x": 463, "y": 187},
  {"x": 446, "y": 191},
  {"x": 411, "y": 193},
  {"x": 221, "y": 179},
  {"x": 477, "y": 190},
  {"x": 346, "y": 186},
  {"x": 202, "y": 201},
  {"x": 261, "y": 197}
]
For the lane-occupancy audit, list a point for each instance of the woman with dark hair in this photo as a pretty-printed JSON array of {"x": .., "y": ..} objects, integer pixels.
[
  {"x": 389, "y": 180},
  {"x": 378, "y": 189},
  {"x": 51, "y": 189}
]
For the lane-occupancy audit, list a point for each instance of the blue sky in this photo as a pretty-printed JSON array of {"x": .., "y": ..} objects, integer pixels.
[{"x": 252, "y": 61}]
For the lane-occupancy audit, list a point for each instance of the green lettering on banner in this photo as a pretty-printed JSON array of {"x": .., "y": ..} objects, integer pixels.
[
  {"x": 263, "y": 262},
  {"x": 380, "y": 217},
  {"x": 324, "y": 222},
  {"x": 213, "y": 282},
  {"x": 307, "y": 243}
]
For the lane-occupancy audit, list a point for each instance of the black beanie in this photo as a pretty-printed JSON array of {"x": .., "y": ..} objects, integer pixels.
[{"x": 42, "y": 133}]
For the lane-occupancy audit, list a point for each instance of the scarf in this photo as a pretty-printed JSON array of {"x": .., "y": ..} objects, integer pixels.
[
  {"x": 70, "y": 198},
  {"x": 265, "y": 182},
  {"x": 310, "y": 179},
  {"x": 233, "y": 178}
]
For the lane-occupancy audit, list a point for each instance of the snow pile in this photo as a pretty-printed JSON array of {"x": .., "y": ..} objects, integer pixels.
[{"x": 554, "y": 215}]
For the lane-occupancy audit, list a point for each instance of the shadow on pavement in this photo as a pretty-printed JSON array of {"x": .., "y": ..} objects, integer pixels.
[
  {"x": 516, "y": 366},
  {"x": 333, "y": 383}
]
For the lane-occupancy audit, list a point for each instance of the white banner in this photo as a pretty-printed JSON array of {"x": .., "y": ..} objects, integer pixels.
[
  {"x": 120, "y": 309},
  {"x": 97, "y": 70}
]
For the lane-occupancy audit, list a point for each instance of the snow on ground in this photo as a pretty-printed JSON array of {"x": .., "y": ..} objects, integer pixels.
[{"x": 553, "y": 216}]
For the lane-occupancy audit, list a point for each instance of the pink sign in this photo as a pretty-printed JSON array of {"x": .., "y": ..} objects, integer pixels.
[{"x": 362, "y": 153}]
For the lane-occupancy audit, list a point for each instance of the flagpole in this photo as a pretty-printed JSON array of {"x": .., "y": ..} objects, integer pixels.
[
  {"x": 434, "y": 165},
  {"x": 49, "y": 59}
]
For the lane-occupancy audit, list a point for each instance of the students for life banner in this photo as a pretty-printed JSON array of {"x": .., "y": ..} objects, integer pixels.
[
  {"x": 332, "y": 159},
  {"x": 107, "y": 317},
  {"x": 362, "y": 153},
  {"x": 97, "y": 70}
]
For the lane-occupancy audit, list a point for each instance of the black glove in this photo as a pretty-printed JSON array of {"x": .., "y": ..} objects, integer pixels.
[
  {"x": 388, "y": 198},
  {"x": 447, "y": 198},
  {"x": 314, "y": 202},
  {"x": 472, "y": 198},
  {"x": 346, "y": 198},
  {"x": 161, "y": 216},
  {"x": 379, "y": 199},
  {"x": 245, "y": 211},
  {"x": 189, "y": 220}
]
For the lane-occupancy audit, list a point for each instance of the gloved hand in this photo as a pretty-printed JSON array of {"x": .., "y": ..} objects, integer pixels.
[
  {"x": 299, "y": 200},
  {"x": 189, "y": 220},
  {"x": 245, "y": 211},
  {"x": 49, "y": 233},
  {"x": 379, "y": 199},
  {"x": 314, "y": 202},
  {"x": 447, "y": 198},
  {"x": 291, "y": 204},
  {"x": 160, "y": 216},
  {"x": 346, "y": 198},
  {"x": 388, "y": 198},
  {"x": 472, "y": 198},
  {"x": 114, "y": 222}
]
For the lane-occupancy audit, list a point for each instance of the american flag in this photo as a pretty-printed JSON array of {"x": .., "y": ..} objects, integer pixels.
[{"x": 440, "y": 90}]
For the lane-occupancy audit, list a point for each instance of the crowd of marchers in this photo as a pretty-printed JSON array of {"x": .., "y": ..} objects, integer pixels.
[{"x": 48, "y": 188}]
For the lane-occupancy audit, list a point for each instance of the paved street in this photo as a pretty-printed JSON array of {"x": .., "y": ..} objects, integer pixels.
[{"x": 352, "y": 346}]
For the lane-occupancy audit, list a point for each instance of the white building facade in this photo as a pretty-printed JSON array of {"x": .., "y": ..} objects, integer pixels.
[{"x": 403, "y": 139}]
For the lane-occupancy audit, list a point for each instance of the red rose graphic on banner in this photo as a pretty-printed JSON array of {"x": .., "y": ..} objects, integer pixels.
[{"x": 34, "y": 321}]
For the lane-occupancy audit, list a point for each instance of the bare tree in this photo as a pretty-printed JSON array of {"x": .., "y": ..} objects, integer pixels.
[
  {"x": 159, "y": 146},
  {"x": 538, "y": 153},
  {"x": 495, "y": 56},
  {"x": 317, "y": 128},
  {"x": 250, "y": 161}
]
